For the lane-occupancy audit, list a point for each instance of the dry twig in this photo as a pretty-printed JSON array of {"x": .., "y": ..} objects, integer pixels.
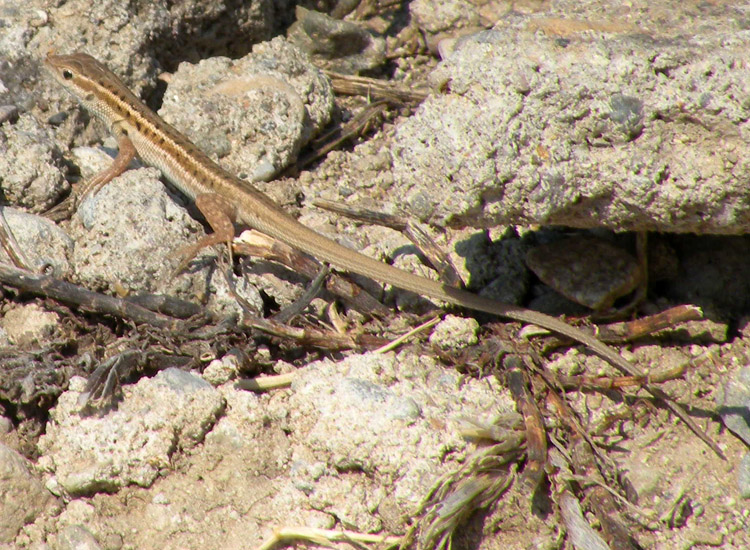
[
  {"x": 325, "y": 537},
  {"x": 354, "y": 127},
  {"x": 45, "y": 285},
  {"x": 327, "y": 340},
  {"x": 615, "y": 333},
  {"x": 373, "y": 88},
  {"x": 536, "y": 435}
]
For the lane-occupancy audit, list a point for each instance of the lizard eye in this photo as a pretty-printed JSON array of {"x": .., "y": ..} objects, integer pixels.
[{"x": 67, "y": 75}]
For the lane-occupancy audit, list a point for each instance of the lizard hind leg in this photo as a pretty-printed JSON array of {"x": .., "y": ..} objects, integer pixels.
[{"x": 220, "y": 215}]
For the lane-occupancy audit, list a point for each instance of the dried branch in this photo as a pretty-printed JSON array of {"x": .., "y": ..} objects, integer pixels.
[
  {"x": 582, "y": 454},
  {"x": 356, "y": 126},
  {"x": 325, "y": 537},
  {"x": 50, "y": 287},
  {"x": 372, "y": 88},
  {"x": 327, "y": 340},
  {"x": 536, "y": 435},
  {"x": 301, "y": 303},
  {"x": 606, "y": 383},
  {"x": 581, "y": 534},
  {"x": 615, "y": 333}
]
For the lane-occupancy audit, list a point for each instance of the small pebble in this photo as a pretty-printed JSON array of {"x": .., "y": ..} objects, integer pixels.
[
  {"x": 743, "y": 476},
  {"x": 6, "y": 425},
  {"x": 8, "y": 113},
  {"x": 57, "y": 119},
  {"x": 589, "y": 271},
  {"x": 733, "y": 404}
]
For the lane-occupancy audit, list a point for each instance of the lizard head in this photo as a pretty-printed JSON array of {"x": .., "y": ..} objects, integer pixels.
[{"x": 85, "y": 78}]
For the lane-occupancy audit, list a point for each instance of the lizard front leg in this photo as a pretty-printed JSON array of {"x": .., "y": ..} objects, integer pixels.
[{"x": 126, "y": 152}]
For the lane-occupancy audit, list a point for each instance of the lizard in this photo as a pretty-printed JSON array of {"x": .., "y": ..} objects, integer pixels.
[{"x": 139, "y": 131}]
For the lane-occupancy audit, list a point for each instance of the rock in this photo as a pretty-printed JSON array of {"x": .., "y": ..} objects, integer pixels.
[
  {"x": 8, "y": 113},
  {"x": 135, "y": 442},
  {"x": 584, "y": 269},
  {"x": 340, "y": 46},
  {"x": 220, "y": 371},
  {"x": 201, "y": 28},
  {"x": 389, "y": 416},
  {"x": 441, "y": 22},
  {"x": 76, "y": 537},
  {"x": 43, "y": 245},
  {"x": 255, "y": 113},
  {"x": 598, "y": 129},
  {"x": 743, "y": 476},
  {"x": 455, "y": 333},
  {"x": 29, "y": 324},
  {"x": 29, "y": 158},
  {"x": 734, "y": 404},
  {"x": 22, "y": 496}
]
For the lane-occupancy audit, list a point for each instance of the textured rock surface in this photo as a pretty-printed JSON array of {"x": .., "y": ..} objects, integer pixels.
[
  {"x": 620, "y": 130},
  {"x": 734, "y": 404},
  {"x": 22, "y": 496},
  {"x": 41, "y": 242},
  {"x": 375, "y": 413},
  {"x": 29, "y": 324},
  {"x": 132, "y": 444},
  {"x": 121, "y": 33},
  {"x": 339, "y": 46},
  {"x": 29, "y": 155},
  {"x": 357, "y": 441},
  {"x": 589, "y": 271},
  {"x": 254, "y": 113},
  {"x": 454, "y": 333}
]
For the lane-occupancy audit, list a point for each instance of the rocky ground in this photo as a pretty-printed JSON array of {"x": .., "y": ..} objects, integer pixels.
[{"x": 535, "y": 142}]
